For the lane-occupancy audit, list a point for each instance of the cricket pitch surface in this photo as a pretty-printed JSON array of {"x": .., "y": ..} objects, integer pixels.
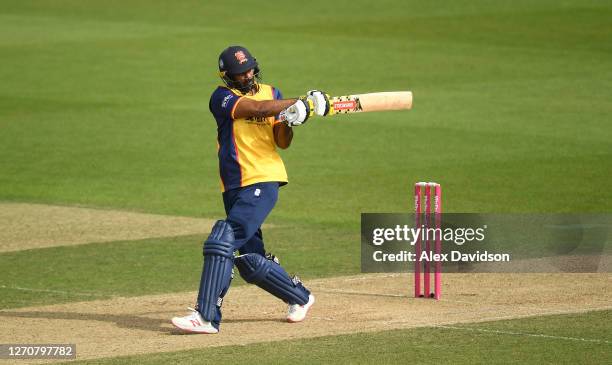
[{"x": 344, "y": 305}]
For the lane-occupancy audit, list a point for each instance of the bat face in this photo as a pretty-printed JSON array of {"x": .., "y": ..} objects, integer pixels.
[{"x": 372, "y": 102}]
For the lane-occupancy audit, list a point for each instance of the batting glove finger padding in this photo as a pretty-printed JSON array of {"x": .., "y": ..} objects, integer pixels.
[
  {"x": 298, "y": 113},
  {"x": 320, "y": 100}
]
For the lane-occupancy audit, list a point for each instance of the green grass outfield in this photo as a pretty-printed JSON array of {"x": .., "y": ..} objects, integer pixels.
[{"x": 105, "y": 104}]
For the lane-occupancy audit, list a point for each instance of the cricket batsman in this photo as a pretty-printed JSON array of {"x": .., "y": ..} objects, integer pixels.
[{"x": 252, "y": 120}]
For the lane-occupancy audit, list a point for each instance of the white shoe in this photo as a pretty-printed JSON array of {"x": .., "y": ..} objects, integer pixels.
[
  {"x": 297, "y": 312},
  {"x": 193, "y": 323}
]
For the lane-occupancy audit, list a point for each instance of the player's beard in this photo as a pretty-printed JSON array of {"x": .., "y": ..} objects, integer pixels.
[{"x": 248, "y": 86}]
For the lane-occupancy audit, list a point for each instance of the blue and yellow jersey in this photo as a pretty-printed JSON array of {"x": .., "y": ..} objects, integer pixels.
[{"x": 246, "y": 148}]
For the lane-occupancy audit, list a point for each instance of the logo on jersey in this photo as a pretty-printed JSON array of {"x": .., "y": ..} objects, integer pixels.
[
  {"x": 241, "y": 57},
  {"x": 263, "y": 121},
  {"x": 226, "y": 100}
]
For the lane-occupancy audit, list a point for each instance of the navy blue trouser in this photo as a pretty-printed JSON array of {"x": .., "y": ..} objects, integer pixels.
[{"x": 247, "y": 209}]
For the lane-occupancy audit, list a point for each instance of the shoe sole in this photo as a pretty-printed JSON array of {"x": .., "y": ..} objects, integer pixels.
[{"x": 307, "y": 306}]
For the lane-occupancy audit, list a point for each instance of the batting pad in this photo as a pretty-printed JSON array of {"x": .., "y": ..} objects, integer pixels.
[
  {"x": 217, "y": 272},
  {"x": 271, "y": 277}
]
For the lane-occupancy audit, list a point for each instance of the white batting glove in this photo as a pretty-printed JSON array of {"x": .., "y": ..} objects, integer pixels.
[
  {"x": 298, "y": 113},
  {"x": 320, "y": 100}
]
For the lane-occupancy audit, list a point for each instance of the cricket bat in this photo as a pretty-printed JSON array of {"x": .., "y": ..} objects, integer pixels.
[{"x": 372, "y": 102}]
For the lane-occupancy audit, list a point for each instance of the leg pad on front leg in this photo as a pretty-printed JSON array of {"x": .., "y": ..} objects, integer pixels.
[
  {"x": 217, "y": 272},
  {"x": 270, "y": 276}
]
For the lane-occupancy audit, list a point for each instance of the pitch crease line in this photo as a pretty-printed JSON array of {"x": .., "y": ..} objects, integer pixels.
[{"x": 541, "y": 335}]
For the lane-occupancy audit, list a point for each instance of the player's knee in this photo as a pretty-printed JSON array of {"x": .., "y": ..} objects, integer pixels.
[
  {"x": 270, "y": 276},
  {"x": 220, "y": 241},
  {"x": 253, "y": 267},
  {"x": 239, "y": 226}
]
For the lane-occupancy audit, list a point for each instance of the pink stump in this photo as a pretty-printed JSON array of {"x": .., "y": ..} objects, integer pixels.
[
  {"x": 417, "y": 244},
  {"x": 427, "y": 269},
  {"x": 438, "y": 269}
]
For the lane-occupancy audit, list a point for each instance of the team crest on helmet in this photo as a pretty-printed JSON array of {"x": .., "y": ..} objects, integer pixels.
[
  {"x": 220, "y": 63},
  {"x": 240, "y": 56}
]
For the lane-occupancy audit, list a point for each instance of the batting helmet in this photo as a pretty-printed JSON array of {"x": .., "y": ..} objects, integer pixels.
[{"x": 235, "y": 60}]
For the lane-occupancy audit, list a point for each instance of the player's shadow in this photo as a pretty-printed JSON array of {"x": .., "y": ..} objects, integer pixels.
[
  {"x": 251, "y": 320},
  {"x": 123, "y": 321}
]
